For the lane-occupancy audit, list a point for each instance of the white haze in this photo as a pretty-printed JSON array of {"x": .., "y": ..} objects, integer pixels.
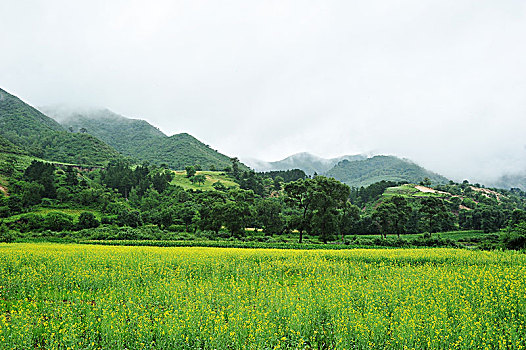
[{"x": 440, "y": 82}]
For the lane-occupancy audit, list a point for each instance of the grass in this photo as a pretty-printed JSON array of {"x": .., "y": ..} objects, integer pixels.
[
  {"x": 212, "y": 177},
  {"x": 43, "y": 211},
  {"x": 409, "y": 191},
  {"x": 59, "y": 296}
]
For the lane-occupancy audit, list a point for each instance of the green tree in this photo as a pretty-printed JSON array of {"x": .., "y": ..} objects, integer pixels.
[
  {"x": 43, "y": 174},
  {"x": 199, "y": 179},
  {"x": 349, "y": 216},
  {"x": 30, "y": 193},
  {"x": 63, "y": 194},
  {"x": 434, "y": 212},
  {"x": 235, "y": 167},
  {"x": 71, "y": 177},
  {"x": 161, "y": 180},
  {"x": 235, "y": 215},
  {"x": 384, "y": 217},
  {"x": 119, "y": 176},
  {"x": 426, "y": 182},
  {"x": 219, "y": 186},
  {"x": 329, "y": 196},
  {"x": 300, "y": 194},
  {"x": 401, "y": 215},
  {"x": 9, "y": 166},
  {"x": 269, "y": 214},
  {"x": 129, "y": 217},
  {"x": 190, "y": 171},
  {"x": 187, "y": 213},
  {"x": 278, "y": 180},
  {"x": 210, "y": 206}
]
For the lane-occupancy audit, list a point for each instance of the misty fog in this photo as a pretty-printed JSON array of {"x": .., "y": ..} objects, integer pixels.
[{"x": 442, "y": 83}]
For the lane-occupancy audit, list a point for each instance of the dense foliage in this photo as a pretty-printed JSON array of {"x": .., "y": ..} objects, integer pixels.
[
  {"x": 8, "y": 147},
  {"x": 93, "y": 204}
]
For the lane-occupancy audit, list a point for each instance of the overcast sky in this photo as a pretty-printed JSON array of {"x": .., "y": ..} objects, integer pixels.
[{"x": 440, "y": 82}]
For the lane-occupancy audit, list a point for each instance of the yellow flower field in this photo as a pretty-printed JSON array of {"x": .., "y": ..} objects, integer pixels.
[{"x": 57, "y": 296}]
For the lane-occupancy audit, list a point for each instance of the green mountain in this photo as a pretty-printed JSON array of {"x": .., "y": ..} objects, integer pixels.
[
  {"x": 307, "y": 162},
  {"x": 33, "y": 132},
  {"x": 140, "y": 140},
  {"x": 368, "y": 171}
]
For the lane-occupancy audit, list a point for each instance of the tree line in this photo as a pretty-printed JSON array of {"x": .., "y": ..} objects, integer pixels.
[{"x": 134, "y": 196}]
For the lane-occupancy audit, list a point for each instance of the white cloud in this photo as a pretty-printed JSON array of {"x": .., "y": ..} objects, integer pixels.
[{"x": 442, "y": 83}]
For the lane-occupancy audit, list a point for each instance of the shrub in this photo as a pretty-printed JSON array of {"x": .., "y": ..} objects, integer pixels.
[
  {"x": 176, "y": 228},
  {"x": 87, "y": 220},
  {"x": 6, "y": 236},
  {"x": 108, "y": 219},
  {"x": 58, "y": 221},
  {"x": 516, "y": 239},
  {"x": 30, "y": 222},
  {"x": 130, "y": 218}
]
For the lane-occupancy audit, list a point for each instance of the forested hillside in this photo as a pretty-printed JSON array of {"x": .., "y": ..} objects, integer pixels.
[
  {"x": 40, "y": 136},
  {"x": 140, "y": 140},
  {"x": 368, "y": 171},
  {"x": 7, "y": 146}
]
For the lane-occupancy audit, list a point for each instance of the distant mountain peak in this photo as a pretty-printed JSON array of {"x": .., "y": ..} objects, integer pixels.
[
  {"x": 305, "y": 161},
  {"x": 381, "y": 167}
]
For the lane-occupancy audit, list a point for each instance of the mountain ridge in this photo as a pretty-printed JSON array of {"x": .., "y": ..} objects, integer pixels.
[
  {"x": 138, "y": 139},
  {"x": 38, "y": 135},
  {"x": 382, "y": 167}
]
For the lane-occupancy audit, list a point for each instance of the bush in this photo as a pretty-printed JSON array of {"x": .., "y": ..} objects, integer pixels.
[
  {"x": 108, "y": 220},
  {"x": 176, "y": 228},
  {"x": 149, "y": 232},
  {"x": 87, "y": 220},
  {"x": 516, "y": 239},
  {"x": 30, "y": 222},
  {"x": 58, "y": 221},
  {"x": 130, "y": 218},
  {"x": 6, "y": 236}
]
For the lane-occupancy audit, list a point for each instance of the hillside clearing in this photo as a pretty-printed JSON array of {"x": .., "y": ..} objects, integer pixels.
[{"x": 212, "y": 177}]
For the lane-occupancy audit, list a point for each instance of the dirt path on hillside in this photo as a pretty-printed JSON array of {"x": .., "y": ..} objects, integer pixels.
[
  {"x": 4, "y": 190},
  {"x": 429, "y": 190}
]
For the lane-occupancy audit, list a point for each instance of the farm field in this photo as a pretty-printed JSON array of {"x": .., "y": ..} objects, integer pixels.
[
  {"x": 212, "y": 177},
  {"x": 59, "y": 296}
]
